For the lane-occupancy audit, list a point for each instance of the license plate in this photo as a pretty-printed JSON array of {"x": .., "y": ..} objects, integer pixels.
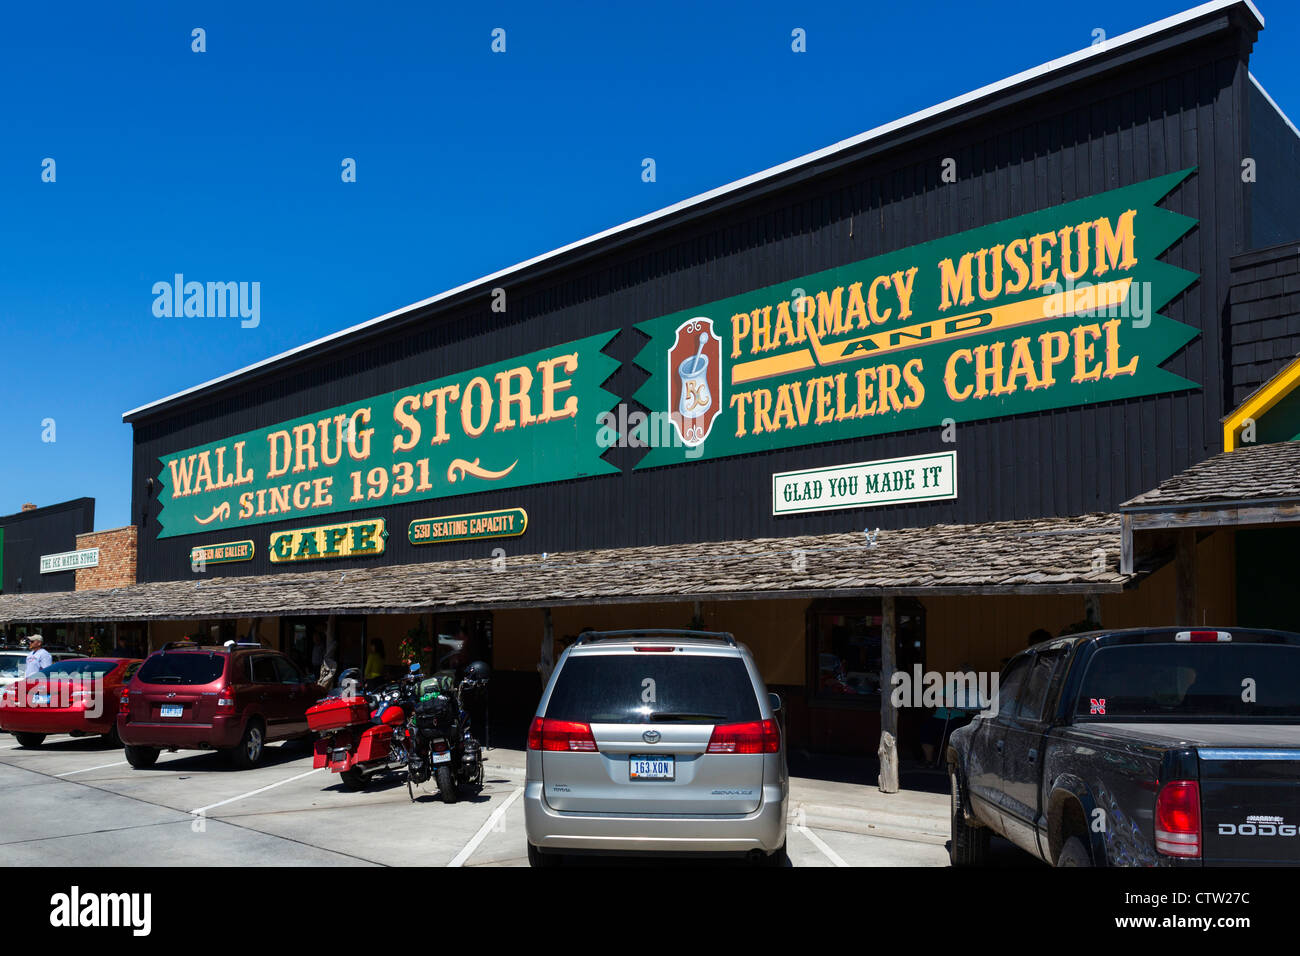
[
  {"x": 442, "y": 758},
  {"x": 340, "y": 755},
  {"x": 171, "y": 710},
  {"x": 40, "y": 700},
  {"x": 651, "y": 768}
]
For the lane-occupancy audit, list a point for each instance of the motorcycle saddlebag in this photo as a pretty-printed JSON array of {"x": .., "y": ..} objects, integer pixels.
[{"x": 334, "y": 713}]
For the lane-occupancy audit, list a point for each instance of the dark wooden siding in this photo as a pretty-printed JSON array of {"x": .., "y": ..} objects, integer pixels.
[
  {"x": 1265, "y": 316},
  {"x": 1275, "y": 193},
  {"x": 1157, "y": 116},
  {"x": 49, "y": 530}
]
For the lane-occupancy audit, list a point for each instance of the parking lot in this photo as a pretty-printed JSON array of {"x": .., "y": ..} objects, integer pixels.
[{"x": 76, "y": 802}]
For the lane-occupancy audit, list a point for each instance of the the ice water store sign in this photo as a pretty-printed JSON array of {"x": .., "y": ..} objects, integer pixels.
[
  {"x": 70, "y": 560},
  {"x": 866, "y": 484}
]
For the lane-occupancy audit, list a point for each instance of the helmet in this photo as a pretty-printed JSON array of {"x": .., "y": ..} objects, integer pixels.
[
  {"x": 478, "y": 672},
  {"x": 350, "y": 682}
]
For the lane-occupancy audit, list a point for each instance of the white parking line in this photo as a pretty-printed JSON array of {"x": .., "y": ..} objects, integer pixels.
[
  {"x": 486, "y": 828},
  {"x": 820, "y": 844},
  {"x": 88, "y": 769},
  {"x": 272, "y": 786}
]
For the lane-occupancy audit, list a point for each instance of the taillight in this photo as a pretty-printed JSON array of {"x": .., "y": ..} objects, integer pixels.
[
  {"x": 655, "y": 649},
  {"x": 226, "y": 698},
  {"x": 1204, "y": 637},
  {"x": 124, "y": 705},
  {"x": 757, "y": 737},
  {"x": 1178, "y": 818},
  {"x": 546, "y": 734}
]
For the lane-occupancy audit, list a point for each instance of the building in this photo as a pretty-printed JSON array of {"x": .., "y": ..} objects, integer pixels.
[{"x": 895, "y": 403}]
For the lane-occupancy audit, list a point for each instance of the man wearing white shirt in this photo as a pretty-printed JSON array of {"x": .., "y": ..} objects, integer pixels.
[{"x": 38, "y": 658}]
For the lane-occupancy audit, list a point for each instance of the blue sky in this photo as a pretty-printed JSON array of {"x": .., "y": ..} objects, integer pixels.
[{"x": 225, "y": 165}]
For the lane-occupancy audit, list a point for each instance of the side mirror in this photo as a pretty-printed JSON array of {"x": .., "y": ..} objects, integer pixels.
[{"x": 774, "y": 701}]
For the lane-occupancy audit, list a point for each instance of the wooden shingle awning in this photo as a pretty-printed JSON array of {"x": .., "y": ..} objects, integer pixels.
[
  {"x": 1079, "y": 555},
  {"x": 1256, "y": 484}
]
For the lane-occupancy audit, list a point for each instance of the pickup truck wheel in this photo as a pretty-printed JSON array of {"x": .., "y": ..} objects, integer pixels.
[
  {"x": 29, "y": 740},
  {"x": 1074, "y": 853},
  {"x": 970, "y": 845},
  {"x": 141, "y": 757}
]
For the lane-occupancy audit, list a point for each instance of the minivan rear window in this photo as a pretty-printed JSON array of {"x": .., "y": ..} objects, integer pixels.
[
  {"x": 182, "y": 668},
  {"x": 653, "y": 688},
  {"x": 1172, "y": 681}
]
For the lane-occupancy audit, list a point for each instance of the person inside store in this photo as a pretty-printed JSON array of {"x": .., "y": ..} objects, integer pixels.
[
  {"x": 329, "y": 660},
  {"x": 38, "y": 658},
  {"x": 317, "y": 651},
  {"x": 960, "y": 705},
  {"x": 1038, "y": 636},
  {"x": 374, "y": 672}
]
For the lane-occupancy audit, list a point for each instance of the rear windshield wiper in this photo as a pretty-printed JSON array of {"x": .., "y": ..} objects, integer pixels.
[{"x": 684, "y": 717}]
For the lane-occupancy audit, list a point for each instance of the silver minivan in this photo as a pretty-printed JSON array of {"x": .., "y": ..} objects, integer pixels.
[{"x": 656, "y": 742}]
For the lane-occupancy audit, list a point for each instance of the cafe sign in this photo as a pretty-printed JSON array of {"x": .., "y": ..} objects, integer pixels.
[
  {"x": 507, "y": 523},
  {"x": 526, "y": 421},
  {"x": 1048, "y": 310},
  {"x": 355, "y": 539},
  {"x": 866, "y": 484},
  {"x": 226, "y": 553},
  {"x": 70, "y": 560}
]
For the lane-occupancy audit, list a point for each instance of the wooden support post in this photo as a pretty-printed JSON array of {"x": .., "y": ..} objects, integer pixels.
[
  {"x": 1092, "y": 609},
  {"x": 252, "y": 631},
  {"x": 1185, "y": 575},
  {"x": 546, "y": 663},
  {"x": 888, "y": 750}
]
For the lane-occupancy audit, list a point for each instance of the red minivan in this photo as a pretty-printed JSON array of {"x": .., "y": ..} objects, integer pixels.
[{"x": 235, "y": 698}]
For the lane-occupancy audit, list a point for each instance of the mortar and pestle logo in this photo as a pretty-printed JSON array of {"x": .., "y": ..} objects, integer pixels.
[{"x": 696, "y": 378}]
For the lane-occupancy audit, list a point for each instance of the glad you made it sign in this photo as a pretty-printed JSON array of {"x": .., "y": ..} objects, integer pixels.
[
  {"x": 1047, "y": 310},
  {"x": 866, "y": 484}
]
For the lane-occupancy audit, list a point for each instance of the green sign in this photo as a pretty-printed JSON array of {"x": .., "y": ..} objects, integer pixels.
[
  {"x": 507, "y": 523},
  {"x": 226, "y": 553},
  {"x": 525, "y": 421},
  {"x": 1048, "y": 310}
]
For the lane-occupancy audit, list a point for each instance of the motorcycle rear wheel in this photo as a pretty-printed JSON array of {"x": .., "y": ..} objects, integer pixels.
[
  {"x": 446, "y": 784},
  {"x": 353, "y": 779}
]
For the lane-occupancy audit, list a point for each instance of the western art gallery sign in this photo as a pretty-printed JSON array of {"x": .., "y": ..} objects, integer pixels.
[{"x": 1047, "y": 310}]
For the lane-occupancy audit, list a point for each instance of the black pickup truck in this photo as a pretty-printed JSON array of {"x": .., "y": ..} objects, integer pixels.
[{"x": 1150, "y": 747}]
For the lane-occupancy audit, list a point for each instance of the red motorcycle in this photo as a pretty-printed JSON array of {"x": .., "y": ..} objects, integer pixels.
[{"x": 363, "y": 734}]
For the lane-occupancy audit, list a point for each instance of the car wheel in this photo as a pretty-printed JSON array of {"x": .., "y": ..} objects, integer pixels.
[
  {"x": 1074, "y": 853},
  {"x": 446, "y": 784},
  {"x": 777, "y": 859},
  {"x": 141, "y": 757},
  {"x": 29, "y": 740},
  {"x": 537, "y": 857},
  {"x": 969, "y": 845},
  {"x": 251, "y": 746}
]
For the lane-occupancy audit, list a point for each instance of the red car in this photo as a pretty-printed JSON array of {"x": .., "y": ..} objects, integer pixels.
[
  {"x": 235, "y": 698},
  {"x": 75, "y": 696}
]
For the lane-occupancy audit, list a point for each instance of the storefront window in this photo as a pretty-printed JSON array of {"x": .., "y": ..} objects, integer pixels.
[{"x": 845, "y": 645}]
